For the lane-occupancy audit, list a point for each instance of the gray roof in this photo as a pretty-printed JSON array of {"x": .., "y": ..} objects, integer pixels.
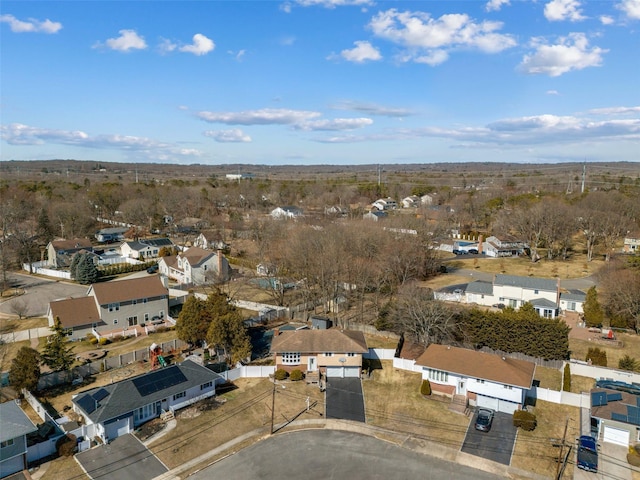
[
  {"x": 149, "y": 242},
  {"x": 121, "y": 398},
  {"x": 574, "y": 296},
  {"x": 529, "y": 283},
  {"x": 543, "y": 302},
  {"x": 14, "y": 422},
  {"x": 483, "y": 288}
]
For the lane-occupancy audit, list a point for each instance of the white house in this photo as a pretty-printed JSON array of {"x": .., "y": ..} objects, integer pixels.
[
  {"x": 572, "y": 301},
  {"x": 14, "y": 428},
  {"x": 374, "y": 215},
  {"x": 503, "y": 247},
  {"x": 631, "y": 244},
  {"x": 484, "y": 379},
  {"x": 144, "y": 249},
  {"x": 118, "y": 408},
  {"x": 287, "y": 211},
  {"x": 385, "y": 204},
  {"x": 60, "y": 252},
  {"x": 210, "y": 241},
  {"x": 412, "y": 201},
  {"x": 428, "y": 199},
  {"x": 195, "y": 266}
]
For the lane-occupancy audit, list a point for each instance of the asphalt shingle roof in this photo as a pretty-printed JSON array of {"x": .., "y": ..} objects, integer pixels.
[
  {"x": 530, "y": 283},
  {"x": 132, "y": 289},
  {"x": 14, "y": 422},
  {"x": 315, "y": 341},
  {"x": 480, "y": 287}
]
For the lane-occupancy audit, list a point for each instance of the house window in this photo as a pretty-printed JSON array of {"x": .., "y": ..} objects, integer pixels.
[
  {"x": 291, "y": 358},
  {"x": 179, "y": 395},
  {"x": 328, "y": 354},
  {"x": 508, "y": 387},
  {"x": 146, "y": 317},
  {"x": 68, "y": 331},
  {"x": 144, "y": 300},
  {"x": 438, "y": 375},
  {"x": 134, "y": 302},
  {"x": 145, "y": 412},
  {"x": 206, "y": 385},
  {"x": 479, "y": 380},
  {"x": 571, "y": 306},
  {"x": 351, "y": 354},
  {"x": 115, "y": 321},
  {"x": 114, "y": 307},
  {"x": 536, "y": 292},
  {"x": 132, "y": 321},
  {"x": 6, "y": 443}
]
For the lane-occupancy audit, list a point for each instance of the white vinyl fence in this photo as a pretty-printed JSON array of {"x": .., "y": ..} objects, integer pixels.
[{"x": 602, "y": 373}]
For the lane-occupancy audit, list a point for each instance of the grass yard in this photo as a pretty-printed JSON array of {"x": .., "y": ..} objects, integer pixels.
[
  {"x": 244, "y": 409},
  {"x": 377, "y": 341},
  {"x": 392, "y": 400},
  {"x": 63, "y": 467},
  {"x": 534, "y": 451},
  {"x": 13, "y": 324},
  {"x": 581, "y": 384},
  {"x": 549, "y": 377},
  {"x": 631, "y": 346}
]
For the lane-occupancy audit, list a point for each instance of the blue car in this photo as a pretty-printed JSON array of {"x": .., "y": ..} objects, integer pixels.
[{"x": 587, "y": 453}]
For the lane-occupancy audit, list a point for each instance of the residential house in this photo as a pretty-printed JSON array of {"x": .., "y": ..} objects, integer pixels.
[
  {"x": 118, "y": 408},
  {"x": 210, "y": 241},
  {"x": 332, "y": 352},
  {"x": 631, "y": 244},
  {"x": 514, "y": 291},
  {"x": 374, "y": 215},
  {"x": 484, "y": 379},
  {"x": 412, "y": 201},
  {"x": 111, "y": 306},
  {"x": 240, "y": 176},
  {"x": 111, "y": 234},
  {"x": 615, "y": 415},
  {"x": 195, "y": 266},
  {"x": 428, "y": 199},
  {"x": 145, "y": 249},
  {"x": 15, "y": 425},
  {"x": 504, "y": 246},
  {"x": 335, "y": 211},
  {"x": 60, "y": 252},
  {"x": 285, "y": 212},
  {"x": 385, "y": 204},
  {"x": 572, "y": 301}
]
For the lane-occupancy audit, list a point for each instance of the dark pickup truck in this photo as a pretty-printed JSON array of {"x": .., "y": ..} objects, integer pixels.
[{"x": 587, "y": 453}]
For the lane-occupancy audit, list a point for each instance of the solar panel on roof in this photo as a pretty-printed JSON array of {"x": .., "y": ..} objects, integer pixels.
[
  {"x": 87, "y": 403},
  {"x": 612, "y": 397},
  {"x": 100, "y": 394},
  {"x": 633, "y": 411},
  {"x": 638, "y": 401},
  {"x": 159, "y": 380},
  {"x": 598, "y": 399},
  {"x": 618, "y": 417}
]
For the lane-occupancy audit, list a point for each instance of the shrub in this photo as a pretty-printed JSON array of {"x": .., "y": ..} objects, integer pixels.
[
  {"x": 596, "y": 356},
  {"x": 425, "y": 388},
  {"x": 566, "y": 380},
  {"x": 104, "y": 341},
  {"x": 67, "y": 445},
  {"x": 627, "y": 363},
  {"x": 280, "y": 374},
  {"x": 93, "y": 341},
  {"x": 296, "y": 375},
  {"x": 525, "y": 420},
  {"x": 633, "y": 457}
]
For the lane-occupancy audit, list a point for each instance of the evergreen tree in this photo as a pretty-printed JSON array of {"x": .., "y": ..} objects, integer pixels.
[
  {"x": 57, "y": 355},
  {"x": 73, "y": 268},
  {"x": 192, "y": 324},
  {"x": 45, "y": 229},
  {"x": 25, "y": 369},
  {"x": 566, "y": 379},
  {"x": 226, "y": 327},
  {"x": 86, "y": 271},
  {"x": 593, "y": 315},
  {"x": 628, "y": 363}
]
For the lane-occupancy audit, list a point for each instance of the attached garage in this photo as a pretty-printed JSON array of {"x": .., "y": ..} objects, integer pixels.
[
  {"x": 496, "y": 404},
  {"x": 343, "y": 372},
  {"x": 13, "y": 465},
  {"x": 617, "y": 436},
  {"x": 118, "y": 428}
]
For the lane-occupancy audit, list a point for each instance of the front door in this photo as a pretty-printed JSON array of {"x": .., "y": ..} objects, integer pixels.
[
  {"x": 311, "y": 364},
  {"x": 462, "y": 387}
]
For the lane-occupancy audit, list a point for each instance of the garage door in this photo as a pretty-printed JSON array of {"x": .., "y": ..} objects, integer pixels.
[
  {"x": 343, "y": 372},
  {"x": 487, "y": 402},
  {"x": 116, "y": 429},
  {"x": 13, "y": 465},
  {"x": 616, "y": 435},
  {"x": 507, "y": 407}
]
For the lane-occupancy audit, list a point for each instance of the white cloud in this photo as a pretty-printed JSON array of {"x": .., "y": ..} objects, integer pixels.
[
  {"x": 287, "y": 41},
  {"x": 495, "y": 5},
  {"x": 333, "y": 3},
  {"x": 615, "y": 111},
  {"x": 335, "y": 124},
  {"x": 631, "y": 8},
  {"x": 552, "y": 92},
  {"x": 362, "y": 52},
  {"x": 239, "y": 55},
  {"x": 128, "y": 40},
  {"x": 228, "y": 136},
  {"x": 570, "y": 53},
  {"x": 166, "y": 46},
  {"x": 19, "y": 134},
  {"x": 429, "y": 40},
  {"x": 373, "y": 109},
  {"x": 606, "y": 20},
  {"x": 265, "y": 116},
  {"x": 559, "y": 10},
  {"x": 201, "y": 45},
  {"x": 31, "y": 25},
  {"x": 285, "y": 7}
]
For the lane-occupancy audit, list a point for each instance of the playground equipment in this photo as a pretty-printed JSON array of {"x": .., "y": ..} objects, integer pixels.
[{"x": 156, "y": 356}]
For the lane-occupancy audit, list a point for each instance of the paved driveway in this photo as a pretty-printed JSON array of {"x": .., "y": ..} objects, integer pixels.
[
  {"x": 612, "y": 463},
  {"x": 126, "y": 458},
  {"x": 332, "y": 454},
  {"x": 344, "y": 399},
  {"x": 496, "y": 444}
]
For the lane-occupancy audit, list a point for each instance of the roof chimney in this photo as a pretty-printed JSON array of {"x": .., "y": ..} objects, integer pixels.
[
  {"x": 221, "y": 273},
  {"x": 480, "y": 240}
]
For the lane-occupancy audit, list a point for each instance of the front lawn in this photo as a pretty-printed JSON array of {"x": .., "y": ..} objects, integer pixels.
[{"x": 631, "y": 347}]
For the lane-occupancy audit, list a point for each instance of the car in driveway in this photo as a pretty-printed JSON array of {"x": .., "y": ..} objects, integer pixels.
[
  {"x": 473, "y": 251},
  {"x": 484, "y": 419},
  {"x": 587, "y": 454},
  {"x": 152, "y": 269}
]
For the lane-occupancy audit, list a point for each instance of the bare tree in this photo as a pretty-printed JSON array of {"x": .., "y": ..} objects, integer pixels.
[{"x": 20, "y": 307}]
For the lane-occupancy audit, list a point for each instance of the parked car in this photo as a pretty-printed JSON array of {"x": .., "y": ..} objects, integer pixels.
[
  {"x": 152, "y": 269},
  {"x": 484, "y": 419},
  {"x": 499, "y": 305},
  {"x": 473, "y": 250},
  {"x": 587, "y": 453},
  {"x": 157, "y": 320},
  {"x": 457, "y": 252}
]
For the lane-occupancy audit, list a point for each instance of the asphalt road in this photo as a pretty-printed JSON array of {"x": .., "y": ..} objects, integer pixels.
[
  {"x": 332, "y": 454},
  {"x": 39, "y": 292}
]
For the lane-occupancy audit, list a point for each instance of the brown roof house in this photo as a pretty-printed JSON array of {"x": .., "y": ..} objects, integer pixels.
[
  {"x": 195, "y": 266},
  {"x": 60, "y": 252},
  {"x": 483, "y": 379},
  {"x": 615, "y": 413},
  {"x": 333, "y": 352},
  {"x": 110, "y": 307}
]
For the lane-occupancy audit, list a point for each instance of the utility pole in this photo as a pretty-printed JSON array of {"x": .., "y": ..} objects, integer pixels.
[
  {"x": 273, "y": 404},
  {"x": 561, "y": 455},
  {"x": 584, "y": 175}
]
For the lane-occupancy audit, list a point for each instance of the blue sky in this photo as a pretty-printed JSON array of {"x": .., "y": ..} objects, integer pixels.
[{"x": 320, "y": 81}]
